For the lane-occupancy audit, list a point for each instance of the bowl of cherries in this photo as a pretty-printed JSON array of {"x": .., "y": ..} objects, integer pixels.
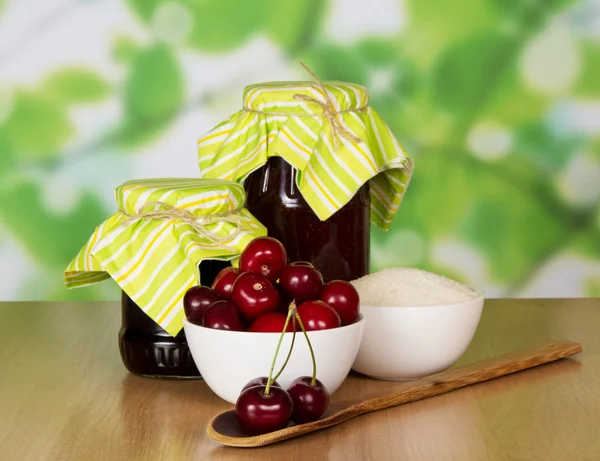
[{"x": 272, "y": 326}]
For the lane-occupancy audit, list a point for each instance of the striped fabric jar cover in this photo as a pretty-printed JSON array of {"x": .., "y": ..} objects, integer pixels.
[
  {"x": 288, "y": 119},
  {"x": 155, "y": 260}
]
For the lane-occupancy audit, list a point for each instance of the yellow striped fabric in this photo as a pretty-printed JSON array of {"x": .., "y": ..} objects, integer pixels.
[
  {"x": 155, "y": 261},
  {"x": 273, "y": 122}
]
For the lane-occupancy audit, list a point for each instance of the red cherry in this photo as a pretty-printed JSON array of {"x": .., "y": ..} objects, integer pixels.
[
  {"x": 259, "y": 413},
  {"x": 223, "y": 315},
  {"x": 301, "y": 282},
  {"x": 254, "y": 295},
  {"x": 343, "y": 298},
  {"x": 310, "y": 402},
  {"x": 196, "y": 300},
  {"x": 262, "y": 381},
  {"x": 224, "y": 282},
  {"x": 264, "y": 255},
  {"x": 317, "y": 315},
  {"x": 272, "y": 322}
]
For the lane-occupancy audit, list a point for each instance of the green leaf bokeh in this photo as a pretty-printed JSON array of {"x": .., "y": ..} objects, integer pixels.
[
  {"x": 38, "y": 125},
  {"x": 497, "y": 101},
  {"x": 76, "y": 85}
]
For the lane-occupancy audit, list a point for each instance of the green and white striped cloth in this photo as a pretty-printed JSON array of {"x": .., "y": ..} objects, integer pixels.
[
  {"x": 155, "y": 260},
  {"x": 276, "y": 121}
]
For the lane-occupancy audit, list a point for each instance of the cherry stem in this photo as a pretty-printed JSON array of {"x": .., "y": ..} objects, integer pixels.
[
  {"x": 313, "y": 381},
  {"x": 287, "y": 359},
  {"x": 270, "y": 380}
]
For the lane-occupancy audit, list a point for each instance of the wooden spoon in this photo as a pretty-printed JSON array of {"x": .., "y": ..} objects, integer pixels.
[{"x": 224, "y": 427}]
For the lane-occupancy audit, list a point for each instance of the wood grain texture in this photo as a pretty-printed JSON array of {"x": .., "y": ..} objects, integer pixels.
[
  {"x": 224, "y": 427},
  {"x": 64, "y": 395}
]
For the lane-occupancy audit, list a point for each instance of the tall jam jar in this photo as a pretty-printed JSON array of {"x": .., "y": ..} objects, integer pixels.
[{"x": 318, "y": 166}]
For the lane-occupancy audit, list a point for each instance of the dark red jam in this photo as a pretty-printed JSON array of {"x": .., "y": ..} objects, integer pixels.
[
  {"x": 338, "y": 247},
  {"x": 147, "y": 349}
]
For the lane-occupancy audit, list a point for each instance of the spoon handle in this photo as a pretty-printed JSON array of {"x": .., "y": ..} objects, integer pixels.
[{"x": 456, "y": 378}]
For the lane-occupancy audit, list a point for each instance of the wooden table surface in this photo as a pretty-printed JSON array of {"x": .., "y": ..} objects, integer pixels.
[{"x": 66, "y": 396}]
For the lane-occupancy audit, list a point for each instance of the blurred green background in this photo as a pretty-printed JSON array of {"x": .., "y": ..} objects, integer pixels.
[{"x": 498, "y": 101}]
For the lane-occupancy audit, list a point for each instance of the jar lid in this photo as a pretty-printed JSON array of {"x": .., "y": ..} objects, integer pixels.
[
  {"x": 281, "y": 96},
  {"x": 326, "y": 130},
  {"x": 153, "y": 245},
  {"x": 198, "y": 197}
]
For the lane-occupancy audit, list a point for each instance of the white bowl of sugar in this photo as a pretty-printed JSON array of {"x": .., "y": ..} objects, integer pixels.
[{"x": 416, "y": 323}]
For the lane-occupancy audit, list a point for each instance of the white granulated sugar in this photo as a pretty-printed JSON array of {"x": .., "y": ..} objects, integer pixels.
[{"x": 402, "y": 287}]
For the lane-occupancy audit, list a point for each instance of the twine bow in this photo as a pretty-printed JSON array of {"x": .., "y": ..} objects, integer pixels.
[
  {"x": 329, "y": 111},
  {"x": 165, "y": 211}
]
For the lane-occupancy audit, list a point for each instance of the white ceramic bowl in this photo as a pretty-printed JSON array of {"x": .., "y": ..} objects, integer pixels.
[
  {"x": 402, "y": 343},
  {"x": 227, "y": 360}
]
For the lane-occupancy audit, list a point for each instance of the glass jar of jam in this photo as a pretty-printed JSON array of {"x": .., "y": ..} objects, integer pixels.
[
  {"x": 147, "y": 349},
  {"x": 318, "y": 166},
  {"x": 165, "y": 233},
  {"x": 338, "y": 247}
]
